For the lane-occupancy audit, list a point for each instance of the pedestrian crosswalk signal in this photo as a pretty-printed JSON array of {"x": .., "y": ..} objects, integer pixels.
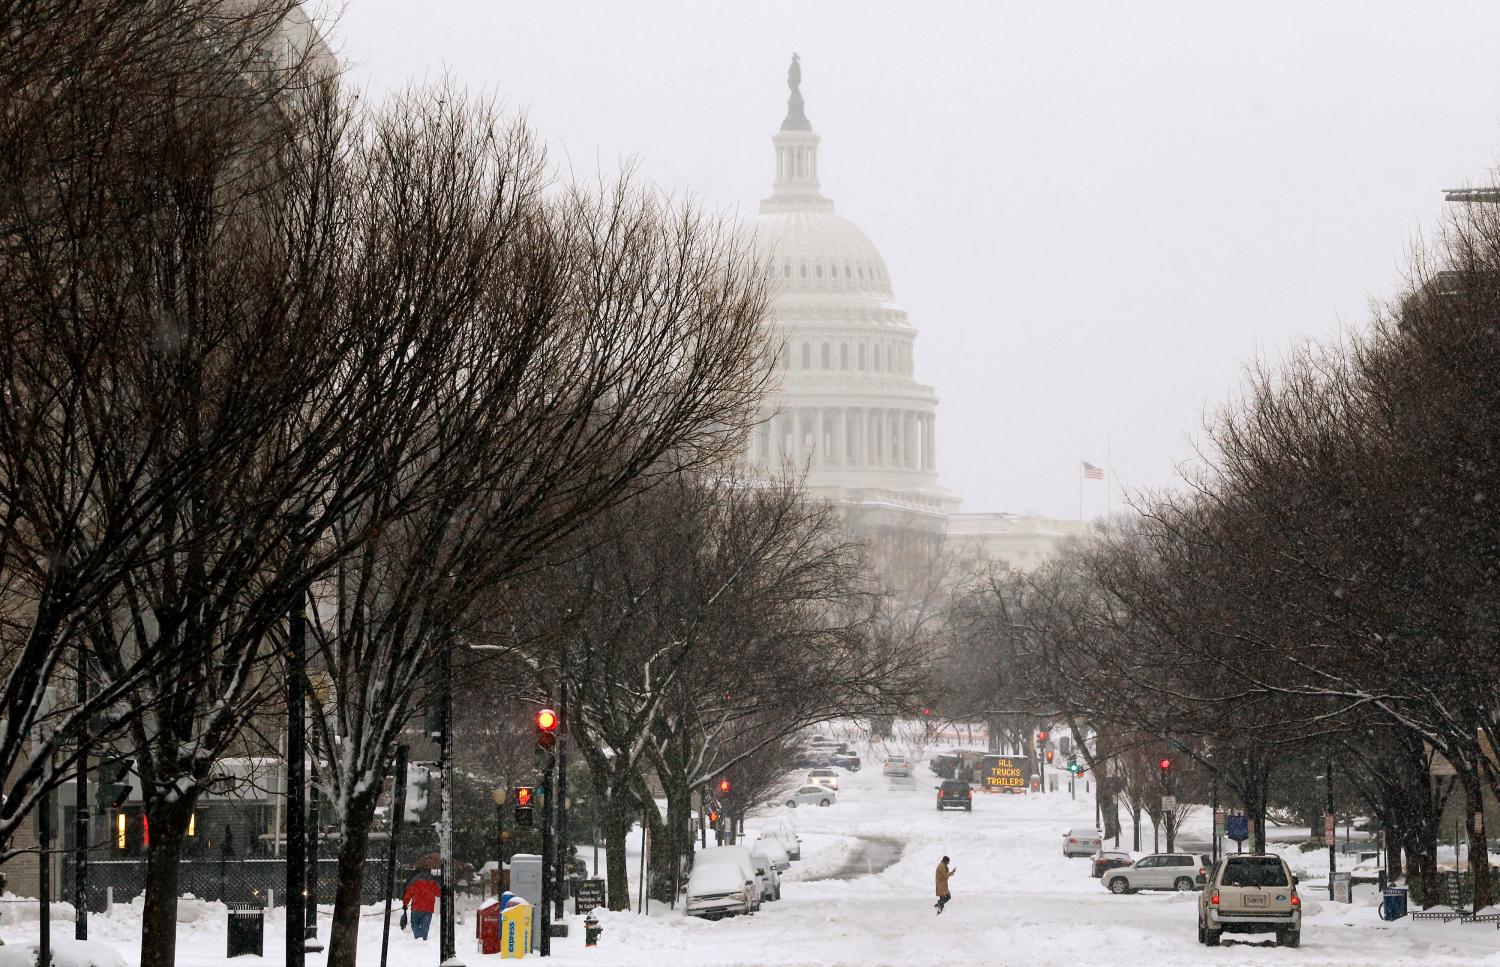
[{"x": 524, "y": 798}]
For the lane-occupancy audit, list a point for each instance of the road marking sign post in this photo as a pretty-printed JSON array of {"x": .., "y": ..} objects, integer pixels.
[{"x": 1168, "y": 803}]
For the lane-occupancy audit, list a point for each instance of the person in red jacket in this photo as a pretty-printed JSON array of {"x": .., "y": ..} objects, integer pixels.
[{"x": 421, "y": 895}]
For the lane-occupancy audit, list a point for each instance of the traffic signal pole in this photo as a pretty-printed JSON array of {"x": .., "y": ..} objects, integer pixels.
[
  {"x": 560, "y": 754},
  {"x": 544, "y": 942}
]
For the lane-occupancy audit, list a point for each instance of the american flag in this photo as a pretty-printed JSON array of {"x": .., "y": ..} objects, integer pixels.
[{"x": 1091, "y": 472}]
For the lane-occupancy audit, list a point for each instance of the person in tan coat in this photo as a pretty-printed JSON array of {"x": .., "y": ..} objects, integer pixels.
[{"x": 943, "y": 872}]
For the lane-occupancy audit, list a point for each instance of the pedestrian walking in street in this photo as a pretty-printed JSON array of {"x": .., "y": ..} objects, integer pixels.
[
  {"x": 421, "y": 895},
  {"x": 943, "y": 872}
]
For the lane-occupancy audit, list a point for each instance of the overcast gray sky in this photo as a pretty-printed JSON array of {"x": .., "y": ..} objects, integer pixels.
[{"x": 1096, "y": 213}]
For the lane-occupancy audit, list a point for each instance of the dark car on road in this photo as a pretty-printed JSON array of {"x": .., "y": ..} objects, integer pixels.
[
  {"x": 1110, "y": 859},
  {"x": 955, "y": 794}
]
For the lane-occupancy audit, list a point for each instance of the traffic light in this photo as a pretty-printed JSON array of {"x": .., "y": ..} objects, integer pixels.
[
  {"x": 1049, "y": 755},
  {"x": 1041, "y": 736},
  {"x": 113, "y": 788},
  {"x": 524, "y": 804},
  {"x": 546, "y": 729},
  {"x": 1165, "y": 765},
  {"x": 724, "y": 787},
  {"x": 713, "y": 817},
  {"x": 926, "y": 711},
  {"x": 1073, "y": 767}
]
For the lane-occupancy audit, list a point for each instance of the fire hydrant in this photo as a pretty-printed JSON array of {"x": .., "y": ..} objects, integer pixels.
[{"x": 591, "y": 931}]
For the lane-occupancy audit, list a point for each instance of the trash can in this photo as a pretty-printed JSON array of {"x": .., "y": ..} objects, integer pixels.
[
  {"x": 487, "y": 926},
  {"x": 1393, "y": 903},
  {"x": 247, "y": 929}
]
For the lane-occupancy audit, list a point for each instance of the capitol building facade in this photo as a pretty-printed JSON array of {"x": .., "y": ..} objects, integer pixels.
[{"x": 848, "y": 408}]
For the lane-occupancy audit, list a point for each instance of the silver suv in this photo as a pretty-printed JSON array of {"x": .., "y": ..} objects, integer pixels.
[
  {"x": 1250, "y": 893},
  {"x": 1159, "y": 871}
]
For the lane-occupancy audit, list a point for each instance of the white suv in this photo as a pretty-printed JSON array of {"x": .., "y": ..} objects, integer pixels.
[
  {"x": 1159, "y": 871},
  {"x": 1250, "y": 893}
]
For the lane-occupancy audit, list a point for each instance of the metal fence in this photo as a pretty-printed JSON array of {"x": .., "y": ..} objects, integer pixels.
[{"x": 231, "y": 880}]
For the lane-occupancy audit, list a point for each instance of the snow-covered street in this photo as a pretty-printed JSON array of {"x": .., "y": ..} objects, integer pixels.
[{"x": 1016, "y": 900}]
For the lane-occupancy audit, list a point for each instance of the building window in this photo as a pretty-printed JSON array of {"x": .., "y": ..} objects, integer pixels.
[
  {"x": 861, "y": 356},
  {"x": 827, "y": 357},
  {"x": 807, "y": 355},
  {"x": 844, "y": 356},
  {"x": 819, "y": 270},
  {"x": 802, "y": 270},
  {"x": 833, "y": 271},
  {"x": 786, "y": 270}
]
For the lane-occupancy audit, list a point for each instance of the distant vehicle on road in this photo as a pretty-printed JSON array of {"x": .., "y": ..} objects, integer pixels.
[
  {"x": 823, "y": 777},
  {"x": 955, "y": 794},
  {"x": 813, "y": 760},
  {"x": 1250, "y": 893},
  {"x": 811, "y": 796},
  {"x": 1110, "y": 859},
  {"x": 1159, "y": 871},
  {"x": 897, "y": 766},
  {"x": 1082, "y": 841},
  {"x": 845, "y": 760}
]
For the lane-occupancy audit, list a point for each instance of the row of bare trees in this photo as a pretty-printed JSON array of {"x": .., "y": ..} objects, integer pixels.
[
  {"x": 1325, "y": 587},
  {"x": 268, "y": 351}
]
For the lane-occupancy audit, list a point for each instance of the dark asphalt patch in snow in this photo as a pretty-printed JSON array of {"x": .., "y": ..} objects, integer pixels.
[{"x": 871, "y": 856}]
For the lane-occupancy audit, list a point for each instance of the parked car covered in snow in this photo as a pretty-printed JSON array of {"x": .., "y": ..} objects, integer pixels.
[
  {"x": 897, "y": 766},
  {"x": 722, "y": 883},
  {"x": 775, "y": 850},
  {"x": 766, "y": 880},
  {"x": 786, "y": 833}
]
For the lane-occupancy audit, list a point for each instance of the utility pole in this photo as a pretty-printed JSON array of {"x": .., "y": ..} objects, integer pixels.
[
  {"x": 398, "y": 815},
  {"x": 1214, "y": 808},
  {"x": 296, "y": 814},
  {"x": 81, "y": 812},
  {"x": 702, "y": 819},
  {"x": 448, "y": 949}
]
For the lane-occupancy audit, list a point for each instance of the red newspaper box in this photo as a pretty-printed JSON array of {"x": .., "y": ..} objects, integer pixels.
[{"x": 487, "y": 926}]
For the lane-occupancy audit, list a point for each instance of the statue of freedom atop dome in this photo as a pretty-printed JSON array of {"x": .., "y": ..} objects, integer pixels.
[{"x": 796, "y": 119}]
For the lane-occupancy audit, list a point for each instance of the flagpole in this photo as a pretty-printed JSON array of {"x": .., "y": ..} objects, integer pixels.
[
  {"x": 1079, "y": 471},
  {"x": 1109, "y": 480}
]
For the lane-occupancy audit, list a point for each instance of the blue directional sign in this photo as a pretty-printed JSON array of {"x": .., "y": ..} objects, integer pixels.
[{"x": 1237, "y": 828}]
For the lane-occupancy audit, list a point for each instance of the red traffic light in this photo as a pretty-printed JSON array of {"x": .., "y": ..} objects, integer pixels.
[
  {"x": 546, "y": 720},
  {"x": 713, "y": 817},
  {"x": 523, "y": 796},
  {"x": 1165, "y": 764},
  {"x": 1049, "y": 755},
  {"x": 1041, "y": 736},
  {"x": 724, "y": 786}
]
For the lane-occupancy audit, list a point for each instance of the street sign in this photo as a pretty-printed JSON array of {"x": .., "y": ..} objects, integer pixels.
[
  {"x": 590, "y": 895},
  {"x": 1455, "y": 890},
  {"x": 1218, "y": 822},
  {"x": 1003, "y": 772},
  {"x": 1343, "y": 887},
  {"x": 1328, "y": 831},
  {"x": 1168, "y": 803},
  {"x": 1237, "y": 827}
]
